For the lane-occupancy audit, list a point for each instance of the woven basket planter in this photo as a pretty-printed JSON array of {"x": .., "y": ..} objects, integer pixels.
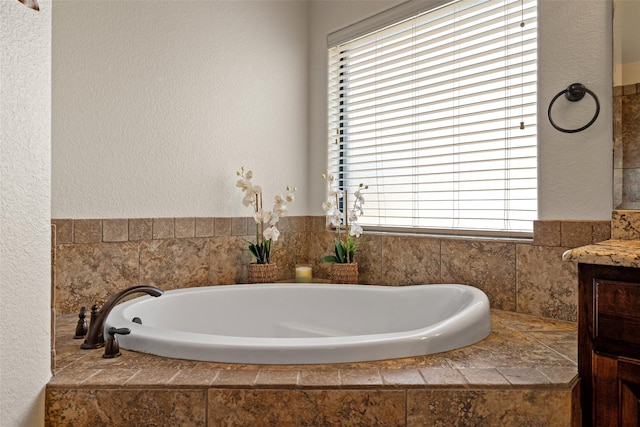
[
  {"x": 344, "y": 273},
  {"x": 262, "y": 273}
]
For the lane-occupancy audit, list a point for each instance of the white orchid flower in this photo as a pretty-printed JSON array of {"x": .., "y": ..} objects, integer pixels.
[
  {"x": 271, "y": 233},
  {"x": 262, "y": 216},
  {"x": 244, "y": 184},
  {"x": 248, "y": 200},
  {"x": 289, "y": 198},
  {"x": 336, "y": 218},
  {"x": 327, "y": 207},
  {"x": 281, "y": 211},
  {"x": 336, "y": 193},
  {"x": 248, "y": 174},
  {"x": 273, "y": 218},
  {"x": 355, "y": 230}
]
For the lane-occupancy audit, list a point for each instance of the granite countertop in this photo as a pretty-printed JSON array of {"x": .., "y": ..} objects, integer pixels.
[{"x": 620, "y": 253}]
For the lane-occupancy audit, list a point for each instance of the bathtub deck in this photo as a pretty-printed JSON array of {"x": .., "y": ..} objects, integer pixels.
[{"x": 524, "y": 373}]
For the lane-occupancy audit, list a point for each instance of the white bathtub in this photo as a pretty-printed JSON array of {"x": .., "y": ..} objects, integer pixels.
[{"x": 288, "y": 323}]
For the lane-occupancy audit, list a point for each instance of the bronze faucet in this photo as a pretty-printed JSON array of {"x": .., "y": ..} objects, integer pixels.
[{"x": 95, "y": 336}]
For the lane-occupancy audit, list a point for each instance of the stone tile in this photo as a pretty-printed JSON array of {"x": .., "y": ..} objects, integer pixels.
[
  {"x": 64, "y": 231},
  {"x": 117, "y": 407},
  {"x": 307, "y": 407},
  {"x": 513, "y": 321},
  {"x": 402, "y": 377},
  {"x": 513, "y": 408},
  {"x": 152, "y": 377},
  {"x": 370, "y": 261},
  {"x": 617, "y": 132},
  {"x": 244, "y": 378},
  {"x": 185, "y": 228},
  {"x": 409, "y": 260},
  {"x": 489, "y": 266},
  {"x": 319, "y": 245},
  {"x": 87, "y": 231},
  {"x": 618, "y": 91},
  {"x": 319, "y": 378},
  {"x": 238, "y": 226},
  {"x": 140, "y": 229},
  {"x": 601, "y": 231},
  {"x": 300, "y": 224},
  {"x": 163, "y": 228},
  {"x": 576, "y": 233},
  {"x": 222, "y": 227},
  {"x": 284, "y": 225},
  {"x": 318, "y": 223},
  {"x": 631, "y": 131},
  {"x": 524, "y": 376},
  {"x": 483, "y": 377},
  {"x": 110, "y": 377},
  {"x": 631, "y": 187},
  {"x": 563, "y": 342},
  {"x": 251, "y": 226},
  {"x": 228, "y": 256},
  {"x": 560, "y": 374},
  {"x": 115, "y": 230},
  {"x": 289, "y": 250},
  {"x": 194, "y": 377},
  {"x": 629, "y": 89},
  {"x": 547, "y": 233},
  {"x": 546, "y": 286},
  {"x": 89, "y": 274},
  {"x": 443, "y": 377},
  {"x": 617, "y": 187},
  {"x": 505, "y": 349},
  {"x": 174, "y": 263},
  {"x": 277, "y": 378},
  {"x": 204, "y": 227},
  {"x": 70, "y": 377},
  {"x": 360, "y": 377}
]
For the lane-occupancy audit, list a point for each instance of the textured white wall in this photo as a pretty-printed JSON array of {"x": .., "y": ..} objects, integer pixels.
[
  {"x": 25, "y": 186},
  {"x": 157, "y": 104},
  {"x": 575, "y": 171}
]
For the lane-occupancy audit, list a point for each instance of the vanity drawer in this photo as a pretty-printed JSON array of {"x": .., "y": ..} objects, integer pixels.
[{"x": 617, "y": 311}]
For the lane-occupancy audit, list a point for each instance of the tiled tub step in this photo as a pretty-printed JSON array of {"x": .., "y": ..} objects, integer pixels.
[{"x": 523, "y": 374}]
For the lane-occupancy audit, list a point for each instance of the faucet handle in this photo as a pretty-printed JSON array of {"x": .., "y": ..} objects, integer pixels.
[
  {"x": 81, "y": 326},
  {"x": 111, "y": 347}
]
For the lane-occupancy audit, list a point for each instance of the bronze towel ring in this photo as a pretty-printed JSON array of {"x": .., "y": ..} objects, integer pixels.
[{"x": 575, "y": 92}]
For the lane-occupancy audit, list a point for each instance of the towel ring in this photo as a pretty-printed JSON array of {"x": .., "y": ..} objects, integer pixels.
[{"x": 575, "y": 92}]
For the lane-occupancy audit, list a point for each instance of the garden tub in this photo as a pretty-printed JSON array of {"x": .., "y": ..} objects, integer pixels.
[{"x": 289, "y": 323}]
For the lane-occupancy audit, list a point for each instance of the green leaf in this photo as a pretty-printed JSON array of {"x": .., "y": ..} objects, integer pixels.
[
  {"x": 330, "y": 259},
  {"x": 339, "y": 251}
]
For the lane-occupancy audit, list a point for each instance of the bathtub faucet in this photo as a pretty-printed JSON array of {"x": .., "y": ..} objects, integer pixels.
[{"x": 95, "y": 336}]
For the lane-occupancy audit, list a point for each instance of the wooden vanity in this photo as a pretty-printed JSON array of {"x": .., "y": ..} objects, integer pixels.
[{"x": 609, "y": 332}]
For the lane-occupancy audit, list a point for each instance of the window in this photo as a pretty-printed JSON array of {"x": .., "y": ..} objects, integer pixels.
[{"x": 437, "y": 115}]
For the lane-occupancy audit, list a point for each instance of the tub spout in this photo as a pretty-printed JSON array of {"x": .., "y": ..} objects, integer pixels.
[{"x": 95, "y": 336}]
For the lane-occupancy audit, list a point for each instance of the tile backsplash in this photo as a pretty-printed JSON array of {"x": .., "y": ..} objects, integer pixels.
[{"x": 94, "y": 258}]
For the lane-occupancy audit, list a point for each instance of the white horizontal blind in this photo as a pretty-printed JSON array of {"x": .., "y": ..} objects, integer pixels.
[{"x": 428, "y": 113}]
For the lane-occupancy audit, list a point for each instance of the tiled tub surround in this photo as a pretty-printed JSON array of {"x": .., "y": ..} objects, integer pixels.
[
  {"x": 523, "y": 374},
  {"x": 626, "y": 148},
  {"x": 96, "y": 258}
]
